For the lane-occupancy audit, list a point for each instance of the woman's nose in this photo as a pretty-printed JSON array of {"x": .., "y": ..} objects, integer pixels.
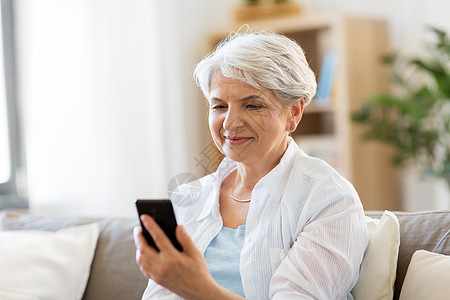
[{"x": 233, "y": 119}]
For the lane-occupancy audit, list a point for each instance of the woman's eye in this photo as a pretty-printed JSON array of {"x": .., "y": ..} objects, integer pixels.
[
  {"x": 254, "y": 106},
  {"x": 218, "y": 107}
]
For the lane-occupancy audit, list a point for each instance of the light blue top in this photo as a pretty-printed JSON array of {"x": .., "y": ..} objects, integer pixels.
[{"x": 223, "y": 257}]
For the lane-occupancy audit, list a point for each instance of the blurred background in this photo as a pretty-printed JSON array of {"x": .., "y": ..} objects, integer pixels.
[{"x": 104, "y": 110}]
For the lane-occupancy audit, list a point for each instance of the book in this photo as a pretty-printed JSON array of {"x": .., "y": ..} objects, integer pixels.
[{"x": 326, "y": 78}]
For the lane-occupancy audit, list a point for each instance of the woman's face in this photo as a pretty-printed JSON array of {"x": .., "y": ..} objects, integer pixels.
[{"x": 248, "y": 125}]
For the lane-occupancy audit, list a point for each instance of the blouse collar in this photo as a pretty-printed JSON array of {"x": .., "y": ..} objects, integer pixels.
[{"x": 274, "y": 181}]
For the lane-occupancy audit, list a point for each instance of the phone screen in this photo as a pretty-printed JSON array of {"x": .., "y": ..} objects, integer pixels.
[{"x": 162, "y": 212}]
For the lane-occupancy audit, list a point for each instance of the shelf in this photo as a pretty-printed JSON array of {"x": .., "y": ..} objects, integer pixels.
[
  {"x": 317, "y": 123},
  {"x": 314, "y": 107},
  {"x": 251, "y": 12}
]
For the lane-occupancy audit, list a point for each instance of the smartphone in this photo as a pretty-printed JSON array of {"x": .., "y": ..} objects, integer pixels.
[{"x": 162, "y": 212}]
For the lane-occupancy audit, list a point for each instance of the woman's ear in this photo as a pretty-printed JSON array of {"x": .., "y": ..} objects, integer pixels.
[{"x": 296, "y": 113}]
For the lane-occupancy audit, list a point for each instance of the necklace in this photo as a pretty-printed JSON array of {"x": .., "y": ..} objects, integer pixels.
[{"x": 239, "y": 200}]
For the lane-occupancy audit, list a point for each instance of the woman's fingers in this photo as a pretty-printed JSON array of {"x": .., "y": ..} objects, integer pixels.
[
  {"x": 145, "y": 254},
  {"x": 159, "y": 236},
  {"x": 185, "y": 240},
  {"x": 136, "y": 231},
  {"x": 184, "y": 273}
]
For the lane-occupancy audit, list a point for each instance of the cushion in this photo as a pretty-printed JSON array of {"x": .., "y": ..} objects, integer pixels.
[
  {"x": 429, "y": 230},
  {"x": 115, "y": 255},
  {"x": 379, "y": 265},
  {"x": 46, "y": 265},
  {"x": 16, "y": 296},
  {"x": 427, "y": 277}
]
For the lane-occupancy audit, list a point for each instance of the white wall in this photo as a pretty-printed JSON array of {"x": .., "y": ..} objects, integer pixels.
[
  {"x": 407, "y": 19},
  {"x": 91, "y": 104},
  {"x": 109, "y": 107},
  {"x": 111, "y": 111}
]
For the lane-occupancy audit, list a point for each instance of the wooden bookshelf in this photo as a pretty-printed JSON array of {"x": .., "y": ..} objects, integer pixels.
[
  {"x": 326, "y": 130},
  {"x": 258, "y": 11}
]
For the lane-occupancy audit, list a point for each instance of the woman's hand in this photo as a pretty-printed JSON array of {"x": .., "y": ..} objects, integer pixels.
[{"x": 184, "y": 273}]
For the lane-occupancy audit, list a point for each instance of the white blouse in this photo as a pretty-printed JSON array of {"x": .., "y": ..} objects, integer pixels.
[{"x": 305, "y": 232}]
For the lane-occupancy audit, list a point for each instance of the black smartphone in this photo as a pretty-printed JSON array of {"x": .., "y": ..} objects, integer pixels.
[{"x": 162, "y": 212}]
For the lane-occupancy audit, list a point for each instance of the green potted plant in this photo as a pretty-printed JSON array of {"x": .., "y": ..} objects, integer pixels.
[{"x": 415, "y": 117}]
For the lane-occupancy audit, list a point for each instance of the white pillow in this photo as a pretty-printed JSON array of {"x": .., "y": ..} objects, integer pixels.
[
  {"x": 427, "y": 277},
  {"x": 46, "y": 265},
  {"x": 379, "y": 266}
]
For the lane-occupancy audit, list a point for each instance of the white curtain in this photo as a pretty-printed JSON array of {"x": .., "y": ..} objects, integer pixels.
[{"x": 97, "y": 108}]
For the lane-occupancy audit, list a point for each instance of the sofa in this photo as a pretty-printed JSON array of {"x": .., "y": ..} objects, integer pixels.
[{"x": 115, "y": 275}]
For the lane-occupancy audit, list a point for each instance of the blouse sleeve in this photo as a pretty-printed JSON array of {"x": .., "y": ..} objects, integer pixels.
[
  {"x": 156, "y": 291},
  {"x": 324, "y": 261}
]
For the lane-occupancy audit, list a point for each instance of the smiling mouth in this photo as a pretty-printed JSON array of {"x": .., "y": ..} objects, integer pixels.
[{"x": 235, "y": 141}]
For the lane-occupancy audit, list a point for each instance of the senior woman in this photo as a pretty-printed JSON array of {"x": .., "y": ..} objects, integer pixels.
[{"x": 271, "y": 222}]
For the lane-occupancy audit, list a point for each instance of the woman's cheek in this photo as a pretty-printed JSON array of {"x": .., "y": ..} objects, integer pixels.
[{"x": 217, "y": 139}]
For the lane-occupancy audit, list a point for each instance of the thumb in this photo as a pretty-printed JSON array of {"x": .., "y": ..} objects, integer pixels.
[
  {"x": 136, "y": 231},
  {"x": 185, "y": 240}
]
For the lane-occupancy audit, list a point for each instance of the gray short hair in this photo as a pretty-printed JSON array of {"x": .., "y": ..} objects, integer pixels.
[{"x": 263, "y": 60}]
